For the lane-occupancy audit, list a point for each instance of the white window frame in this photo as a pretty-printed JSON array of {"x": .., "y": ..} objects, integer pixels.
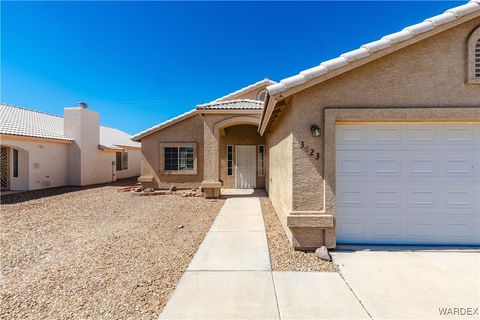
[
  {"x": 230, "y": 161},
  {"x": 177, "y": 145},
  {"x": 473, "y": 57},
  {"x": 261, "y": 161}
]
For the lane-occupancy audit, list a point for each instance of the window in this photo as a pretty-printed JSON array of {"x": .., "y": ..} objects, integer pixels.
[
  {"x": 261, "y": 160},
  {"x": 474, "y": 57},
  {"x": 179, "y": 158},
  {"x": 229, "y": 160},
  {"x": 122, "y": 160},
  {"x": 15, "y": 163}
]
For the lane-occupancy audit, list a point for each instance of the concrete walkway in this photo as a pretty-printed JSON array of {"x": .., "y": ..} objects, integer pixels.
[{"x": 230, "y": 277}]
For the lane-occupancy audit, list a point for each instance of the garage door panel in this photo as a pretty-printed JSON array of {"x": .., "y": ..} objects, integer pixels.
[
  {"x": 348, "y": 135},
  {"x": 386, "y": 165},
  {"x": 386, "y": 135},
  {"x": 454, "y": 135},
  {"x": 459, "y": 165},
  {"x": 355, "y": 197},
  {"x": 422, "y": 135},
  {"x": 422, "y": 229},
  {"x": 352, "y": 164},
  {"x": 408, "y": 184},
  {"x": 422, "y": 164},
  {"x": 460, "y": 230},
  {"x": 457, "y": 197},
  {"x": 386, "y": 197},
  {"x": 422, "y": 197}
]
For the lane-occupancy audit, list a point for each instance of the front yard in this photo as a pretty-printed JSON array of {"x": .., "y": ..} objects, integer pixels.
[{"x": 96, "y": 252}]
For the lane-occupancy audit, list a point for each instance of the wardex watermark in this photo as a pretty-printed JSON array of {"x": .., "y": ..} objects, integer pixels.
[{"x": 458, "y": 311}]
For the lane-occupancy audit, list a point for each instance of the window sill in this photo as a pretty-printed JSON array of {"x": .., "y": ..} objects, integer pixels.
[
  {"x": 179, "y": 172},
  {"x": 474, "y": 81}
]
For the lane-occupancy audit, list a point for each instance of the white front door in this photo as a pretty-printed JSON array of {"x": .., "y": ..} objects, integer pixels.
[
  {"x": 246, "y": 167},
  {"x": 408, "y": 183}
]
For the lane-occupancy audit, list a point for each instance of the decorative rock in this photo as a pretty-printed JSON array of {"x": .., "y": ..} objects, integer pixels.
[
  {"x": 323, "y": 254},
  {"x": 172, "y": 188}
]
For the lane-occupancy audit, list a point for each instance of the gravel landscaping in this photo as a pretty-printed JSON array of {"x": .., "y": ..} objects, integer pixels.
[
  {"x": 282, "y": 255},
  {"x": 76, "y": 253}
]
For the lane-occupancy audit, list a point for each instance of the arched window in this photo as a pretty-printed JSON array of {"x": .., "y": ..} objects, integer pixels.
[
  {"x": 474, "y": 57},
  {"x": 261, "y": 95}
]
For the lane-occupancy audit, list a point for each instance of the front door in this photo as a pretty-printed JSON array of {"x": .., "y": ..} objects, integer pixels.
[
  {"x": 4, "y": 168},
  {"x": 246, "y": 167}
]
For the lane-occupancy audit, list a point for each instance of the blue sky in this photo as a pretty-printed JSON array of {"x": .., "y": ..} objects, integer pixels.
[{"x": 140, "y": 63}]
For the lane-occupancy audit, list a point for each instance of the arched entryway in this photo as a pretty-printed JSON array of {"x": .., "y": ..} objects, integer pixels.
[{"x": 242, "y": 157}]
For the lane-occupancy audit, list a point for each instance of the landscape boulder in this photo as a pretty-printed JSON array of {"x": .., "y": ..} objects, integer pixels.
[{"x": 322, "y": 253}]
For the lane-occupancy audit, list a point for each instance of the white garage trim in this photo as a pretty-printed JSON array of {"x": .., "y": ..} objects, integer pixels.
[{"x": 408, "y": 183}]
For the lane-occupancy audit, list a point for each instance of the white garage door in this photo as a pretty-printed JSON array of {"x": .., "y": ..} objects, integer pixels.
[{"x": 408, "y": 183}]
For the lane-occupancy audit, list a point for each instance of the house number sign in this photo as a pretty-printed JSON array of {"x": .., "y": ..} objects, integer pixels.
[{"x": 310, "y": 151}]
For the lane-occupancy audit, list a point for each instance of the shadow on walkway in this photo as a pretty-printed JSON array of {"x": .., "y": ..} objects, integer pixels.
[{"x": 50, "y": 192}]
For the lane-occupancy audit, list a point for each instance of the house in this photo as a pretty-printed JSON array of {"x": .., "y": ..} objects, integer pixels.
[
  {"x": 41, "y": 150},
  {"x": 215, "y": 145},
  {"x": 380, "y": 145}
]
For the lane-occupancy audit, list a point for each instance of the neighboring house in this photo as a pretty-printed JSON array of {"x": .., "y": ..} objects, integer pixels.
[
  {"x": 40, "y": 150},
  {"x": 378, "y": 146}
]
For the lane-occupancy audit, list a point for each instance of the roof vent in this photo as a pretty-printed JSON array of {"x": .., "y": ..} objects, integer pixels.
[{"x": 82, "y": 105}]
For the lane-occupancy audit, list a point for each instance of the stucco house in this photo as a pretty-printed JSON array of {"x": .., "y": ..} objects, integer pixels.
[
  {"x": 40, "y": 150},
  {"x": 380, "y": 145}
]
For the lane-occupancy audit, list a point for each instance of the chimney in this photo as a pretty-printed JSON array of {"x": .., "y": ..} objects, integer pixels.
[{"x": 82, "y": 105}]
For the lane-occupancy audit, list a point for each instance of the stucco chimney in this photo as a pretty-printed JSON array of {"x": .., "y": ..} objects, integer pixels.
[{"x": 82, "y": 125}]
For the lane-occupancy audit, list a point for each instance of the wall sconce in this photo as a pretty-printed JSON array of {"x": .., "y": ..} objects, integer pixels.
[{"x": 315, "y": 130}]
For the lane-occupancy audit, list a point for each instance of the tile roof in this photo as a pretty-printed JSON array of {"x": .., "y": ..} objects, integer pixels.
[
  {"x": 227, "y": 102},
  {"x": 253, "y": 86},
  {"x": 20, "y": 121},
  {"x": 25, "y": 122},
  {"x": 238, "y": 104},
  {"x": 376, "y": 46},
  {"x": 116, "y": 139}
]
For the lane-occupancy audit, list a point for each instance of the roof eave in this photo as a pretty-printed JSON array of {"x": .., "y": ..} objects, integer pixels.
[
  {"x": 139, "y": 136},
  {"x": 274, "y": 97},
  {"x": 229, "y": 111}
]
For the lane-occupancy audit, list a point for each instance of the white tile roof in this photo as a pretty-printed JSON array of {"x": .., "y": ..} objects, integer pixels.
[
  {"x": 248, "y": 88},
  {"x": 238, "y": 104},
  {"x": 113, "y": 138},
  {"x": 20, "y": 121},
  {"x": 25, "y": 122},
  {"x": 227, "y": 102},
  {"x": 373, "y": 47}
]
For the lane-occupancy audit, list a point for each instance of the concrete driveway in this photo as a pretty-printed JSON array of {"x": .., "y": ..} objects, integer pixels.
[{"x": 414, "y": 284}]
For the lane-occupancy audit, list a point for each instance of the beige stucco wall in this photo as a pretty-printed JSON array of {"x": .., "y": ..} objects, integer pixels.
[
  {"x": 204, "y": 130},
  {"x": 431, "y": 73},
  {"x": 280, "y": 172},
  {"x": 186, "y": 131},
  {"x": 42, "y": 164},
  {"x": 238, "y": 135}
]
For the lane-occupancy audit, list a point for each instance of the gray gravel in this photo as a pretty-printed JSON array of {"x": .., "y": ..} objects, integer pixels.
[
  {"x": 282, "y": 255},
  {"x": 76, "y": 253}
]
